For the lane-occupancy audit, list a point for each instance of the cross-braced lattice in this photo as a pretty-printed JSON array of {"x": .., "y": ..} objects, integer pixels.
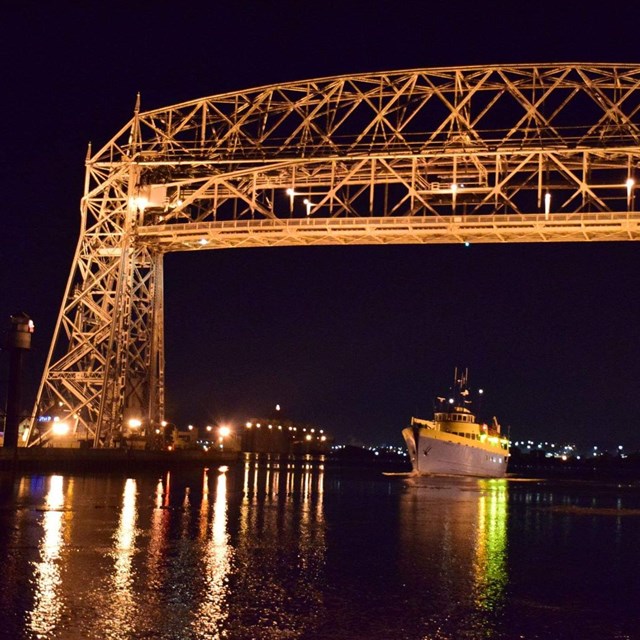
[{"x": 526, "y": 153}]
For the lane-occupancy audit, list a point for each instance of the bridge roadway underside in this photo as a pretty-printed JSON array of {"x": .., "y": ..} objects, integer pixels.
[{"x": 554, "y": 227}]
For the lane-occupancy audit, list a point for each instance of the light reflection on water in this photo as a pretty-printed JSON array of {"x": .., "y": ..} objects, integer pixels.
[
  {"x": 122, "y": 598},
  {"x": 212, "y": 610},
  {"x": 47, "y": 606},
  {"x": 454, "y": 551},
  {"x": 490, "y": 566},
  {"x": 281, "y": 548}
]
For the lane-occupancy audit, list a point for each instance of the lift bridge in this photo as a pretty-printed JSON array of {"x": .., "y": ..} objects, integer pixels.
[{"x": 516, "y": 153}]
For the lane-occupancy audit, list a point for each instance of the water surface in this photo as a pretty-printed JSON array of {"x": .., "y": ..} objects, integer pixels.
[{"x": 300, "y": 549}]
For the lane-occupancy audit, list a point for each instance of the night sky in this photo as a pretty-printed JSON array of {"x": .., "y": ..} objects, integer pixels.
[{"x": 355, "y": 340}]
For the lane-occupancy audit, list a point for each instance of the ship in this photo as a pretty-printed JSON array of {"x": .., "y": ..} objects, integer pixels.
[{"x": 454, "y": 442}]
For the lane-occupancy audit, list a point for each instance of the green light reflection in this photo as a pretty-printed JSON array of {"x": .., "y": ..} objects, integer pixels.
[{"x": 490, "y": 565}]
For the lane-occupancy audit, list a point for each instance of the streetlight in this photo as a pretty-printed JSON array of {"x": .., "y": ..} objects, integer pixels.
[
  {"x": 223, "y": 432},
  {"x": 291, "y": 193},
  {"x": 60, "y": 428},
  {"x": 630, "y": 184},
  {"x": 547, "y": 205}
]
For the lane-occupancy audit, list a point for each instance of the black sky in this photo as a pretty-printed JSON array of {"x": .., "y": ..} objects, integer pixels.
[{"x": 358, "y": 339}]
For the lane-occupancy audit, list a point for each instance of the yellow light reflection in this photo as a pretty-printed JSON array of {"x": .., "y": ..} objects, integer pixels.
[
  {"x": 490, "y": 566},
  {"x": 159, "y": 535},
  {"x": 213, "y": 609},
  {"x": 283, "y": 505},
  {"x": 125, "y": 536},
  {"x": 204, "y": 505},
  {"x": 121, "y": 616},
  {"x": 47, "y": 606}
]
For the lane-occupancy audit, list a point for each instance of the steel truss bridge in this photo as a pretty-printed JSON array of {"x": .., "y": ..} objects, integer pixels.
[{"x": 517, "y": 153}]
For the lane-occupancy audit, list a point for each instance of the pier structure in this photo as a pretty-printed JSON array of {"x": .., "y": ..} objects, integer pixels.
[{"x": 484, "y": 154}]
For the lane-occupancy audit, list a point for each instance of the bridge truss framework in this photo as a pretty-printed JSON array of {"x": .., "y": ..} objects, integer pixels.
[{"x": 518, "y": 153}]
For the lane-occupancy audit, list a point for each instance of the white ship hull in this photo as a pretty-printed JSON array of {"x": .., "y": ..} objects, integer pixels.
[{"x": 436, "y": 453}]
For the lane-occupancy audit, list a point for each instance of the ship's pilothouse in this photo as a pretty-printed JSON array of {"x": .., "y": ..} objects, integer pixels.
[{"x": 458, "y": 415}]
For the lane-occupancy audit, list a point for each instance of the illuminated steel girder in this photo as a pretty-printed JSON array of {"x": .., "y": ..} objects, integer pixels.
[{"x": 519, "y": 153}]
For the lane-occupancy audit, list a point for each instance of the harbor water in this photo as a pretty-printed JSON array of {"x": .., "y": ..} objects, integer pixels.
[{"x": 298, "y": 548}]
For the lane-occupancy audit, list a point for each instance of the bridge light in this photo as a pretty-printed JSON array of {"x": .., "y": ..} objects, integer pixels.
[
  {"x": 291, "y": 193},
  {"x": 139, "y": 202},
  {"x": 60, "y": 428},
  {"x": 630, "y": 184},
  {"x": 134, "y": 423},
  {"x": 203, "y": 241},
  {"x": 308, "y": 203},
  {"x": 467, "y": 243},
  {"x": 547, "y": 204}
]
